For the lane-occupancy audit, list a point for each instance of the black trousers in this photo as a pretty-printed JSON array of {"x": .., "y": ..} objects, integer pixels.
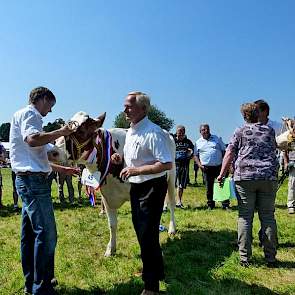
[
  {"x": 147, "y": 200},
  {"x": 210, "y": 174}
]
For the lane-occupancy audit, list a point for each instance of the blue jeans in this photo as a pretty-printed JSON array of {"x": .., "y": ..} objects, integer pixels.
[{"x": 38, "y": 233}]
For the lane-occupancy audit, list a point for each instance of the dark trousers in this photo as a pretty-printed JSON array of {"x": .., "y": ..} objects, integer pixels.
[
  {"x": 210, "y": 174},
  {"x": 147, "y": 200}
]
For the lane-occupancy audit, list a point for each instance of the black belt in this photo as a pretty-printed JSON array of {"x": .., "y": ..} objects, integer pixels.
[{"x": 29, "y": 173}]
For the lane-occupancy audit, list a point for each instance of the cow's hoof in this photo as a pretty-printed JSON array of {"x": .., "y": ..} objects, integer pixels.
[{"x": 109, "y": 253}]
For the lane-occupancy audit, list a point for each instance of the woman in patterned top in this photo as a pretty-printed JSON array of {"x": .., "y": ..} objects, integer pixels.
[{"x": 252, "y": 149}]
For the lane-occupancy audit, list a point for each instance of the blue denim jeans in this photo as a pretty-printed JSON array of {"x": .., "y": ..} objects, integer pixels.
[{"x": 38, "y": 233}]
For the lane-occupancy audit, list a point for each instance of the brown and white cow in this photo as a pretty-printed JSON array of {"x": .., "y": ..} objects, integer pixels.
[
  {"x": 286, "y": 140},
  {"x": 92, "y": 146}
]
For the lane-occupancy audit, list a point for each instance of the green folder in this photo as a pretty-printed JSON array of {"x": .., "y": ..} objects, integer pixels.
[{"x": 224, "y": 192}]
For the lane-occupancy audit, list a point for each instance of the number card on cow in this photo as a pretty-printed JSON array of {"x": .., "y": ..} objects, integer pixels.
[{"x": 90, "y": 179}]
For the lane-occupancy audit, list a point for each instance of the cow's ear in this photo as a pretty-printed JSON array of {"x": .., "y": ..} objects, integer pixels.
[{"x": 100, "y": 119}]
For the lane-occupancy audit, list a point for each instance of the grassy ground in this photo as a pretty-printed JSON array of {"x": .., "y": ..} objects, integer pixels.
[{"x": 201, "y": 258}]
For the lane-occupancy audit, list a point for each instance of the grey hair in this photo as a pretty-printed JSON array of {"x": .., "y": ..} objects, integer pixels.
[{"x": 142, "y": 100}]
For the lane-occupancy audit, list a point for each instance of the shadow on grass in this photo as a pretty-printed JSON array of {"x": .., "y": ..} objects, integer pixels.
[
  {"x": 8, "y": 210},
  {"x": 205, "y": 208},
  {"x": 281, "y": 206},
  {"x": 133, "y": 287},
  {"x": 190, "y": 260},
  {"x": 71, "y": 206}
]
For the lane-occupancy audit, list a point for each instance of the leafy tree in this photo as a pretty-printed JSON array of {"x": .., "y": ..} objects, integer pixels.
[
  {"x": 120, "y": 121},
  {"x": 155, "y": 115},
  {"x": 4, "y": 132},
  {"x": 54, "y": 126}
]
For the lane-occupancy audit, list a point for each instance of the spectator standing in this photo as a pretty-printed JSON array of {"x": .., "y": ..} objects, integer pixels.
[
  {"x": 148, "y": 155},
  {"x": 253, "y": 150},
  {"x": 29, "y": 160},
  {"x": 263, "y": 116},
  {"x": 14, "y": 192},
  {"x": 2, "y": 160},
  {"x": 184, "y": 152},
  {"x": 208, "y": 153},
  {"x": 61, "y": 179},
  {"x": 289, "y": 160}
]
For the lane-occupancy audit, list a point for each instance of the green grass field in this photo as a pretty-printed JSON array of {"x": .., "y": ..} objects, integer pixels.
[{"x": 202, "y": 258}]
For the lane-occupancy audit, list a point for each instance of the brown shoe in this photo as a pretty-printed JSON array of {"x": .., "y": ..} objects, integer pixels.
[{"x": 148, "y": 292}]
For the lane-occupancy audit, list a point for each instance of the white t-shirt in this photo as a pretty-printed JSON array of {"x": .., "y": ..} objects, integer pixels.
[
  {"x": 25, "y": 122},
  {"x": 146, "y": 143}
]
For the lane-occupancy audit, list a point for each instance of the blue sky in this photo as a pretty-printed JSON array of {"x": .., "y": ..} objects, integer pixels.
[{"x": 198, "y": 60}]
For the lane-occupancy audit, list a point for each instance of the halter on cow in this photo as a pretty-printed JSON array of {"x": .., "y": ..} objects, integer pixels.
[{"x": 92, "y": 146}]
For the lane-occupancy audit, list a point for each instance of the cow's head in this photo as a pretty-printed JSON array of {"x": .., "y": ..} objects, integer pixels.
[
  {"x": 290, "y": 125},
  {"x": 80, "y": 142},
  {"x": 85, "y": 126}
]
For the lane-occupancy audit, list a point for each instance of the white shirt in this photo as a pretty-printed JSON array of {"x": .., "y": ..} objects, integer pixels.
[
  {"x": 146, "y": 143},
  {"x": 25, "y": 122},
  {"x": 210, "y": 151}
]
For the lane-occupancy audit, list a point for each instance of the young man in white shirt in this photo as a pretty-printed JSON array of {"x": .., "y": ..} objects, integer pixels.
[
  {"x": 29, "y": 160},
  {"x": 148, "y": 155}
]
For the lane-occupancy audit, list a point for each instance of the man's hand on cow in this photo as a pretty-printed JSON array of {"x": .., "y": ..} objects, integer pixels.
[
  {"x": 129, "y": 171},
  {"x": 66, "y": 130},
  {"x": 116, "y": 159},
  {"x": 75, "y": 171}
]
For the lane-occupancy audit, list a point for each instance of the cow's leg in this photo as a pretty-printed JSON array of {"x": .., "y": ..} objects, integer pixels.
[
  {"x": 112, "y": 220},
  {"x": 171, "y": 200}
]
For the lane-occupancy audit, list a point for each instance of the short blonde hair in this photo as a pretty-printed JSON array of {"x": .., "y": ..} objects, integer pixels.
[
  {"x": 249, "y": 112},
  {"x": 142, "y": 99}
]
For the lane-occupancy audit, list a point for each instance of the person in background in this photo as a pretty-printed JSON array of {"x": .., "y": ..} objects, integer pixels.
[
  {"x": 196, "y": 170},
  {"x": 61, "y": 180},
  {"x": 263, "y": 116},
  {"x": 148, "y": 155},
  {"x": 14, "y": 192},
  {"x": 2, "y": 160},
  {"x": 208, "y": 153},
  {"x": 184, "y": 152},
  {"x": 289, "y": 161},
  {"x": 252, "y": 148},
  {"x": 29, "y": 160}
]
